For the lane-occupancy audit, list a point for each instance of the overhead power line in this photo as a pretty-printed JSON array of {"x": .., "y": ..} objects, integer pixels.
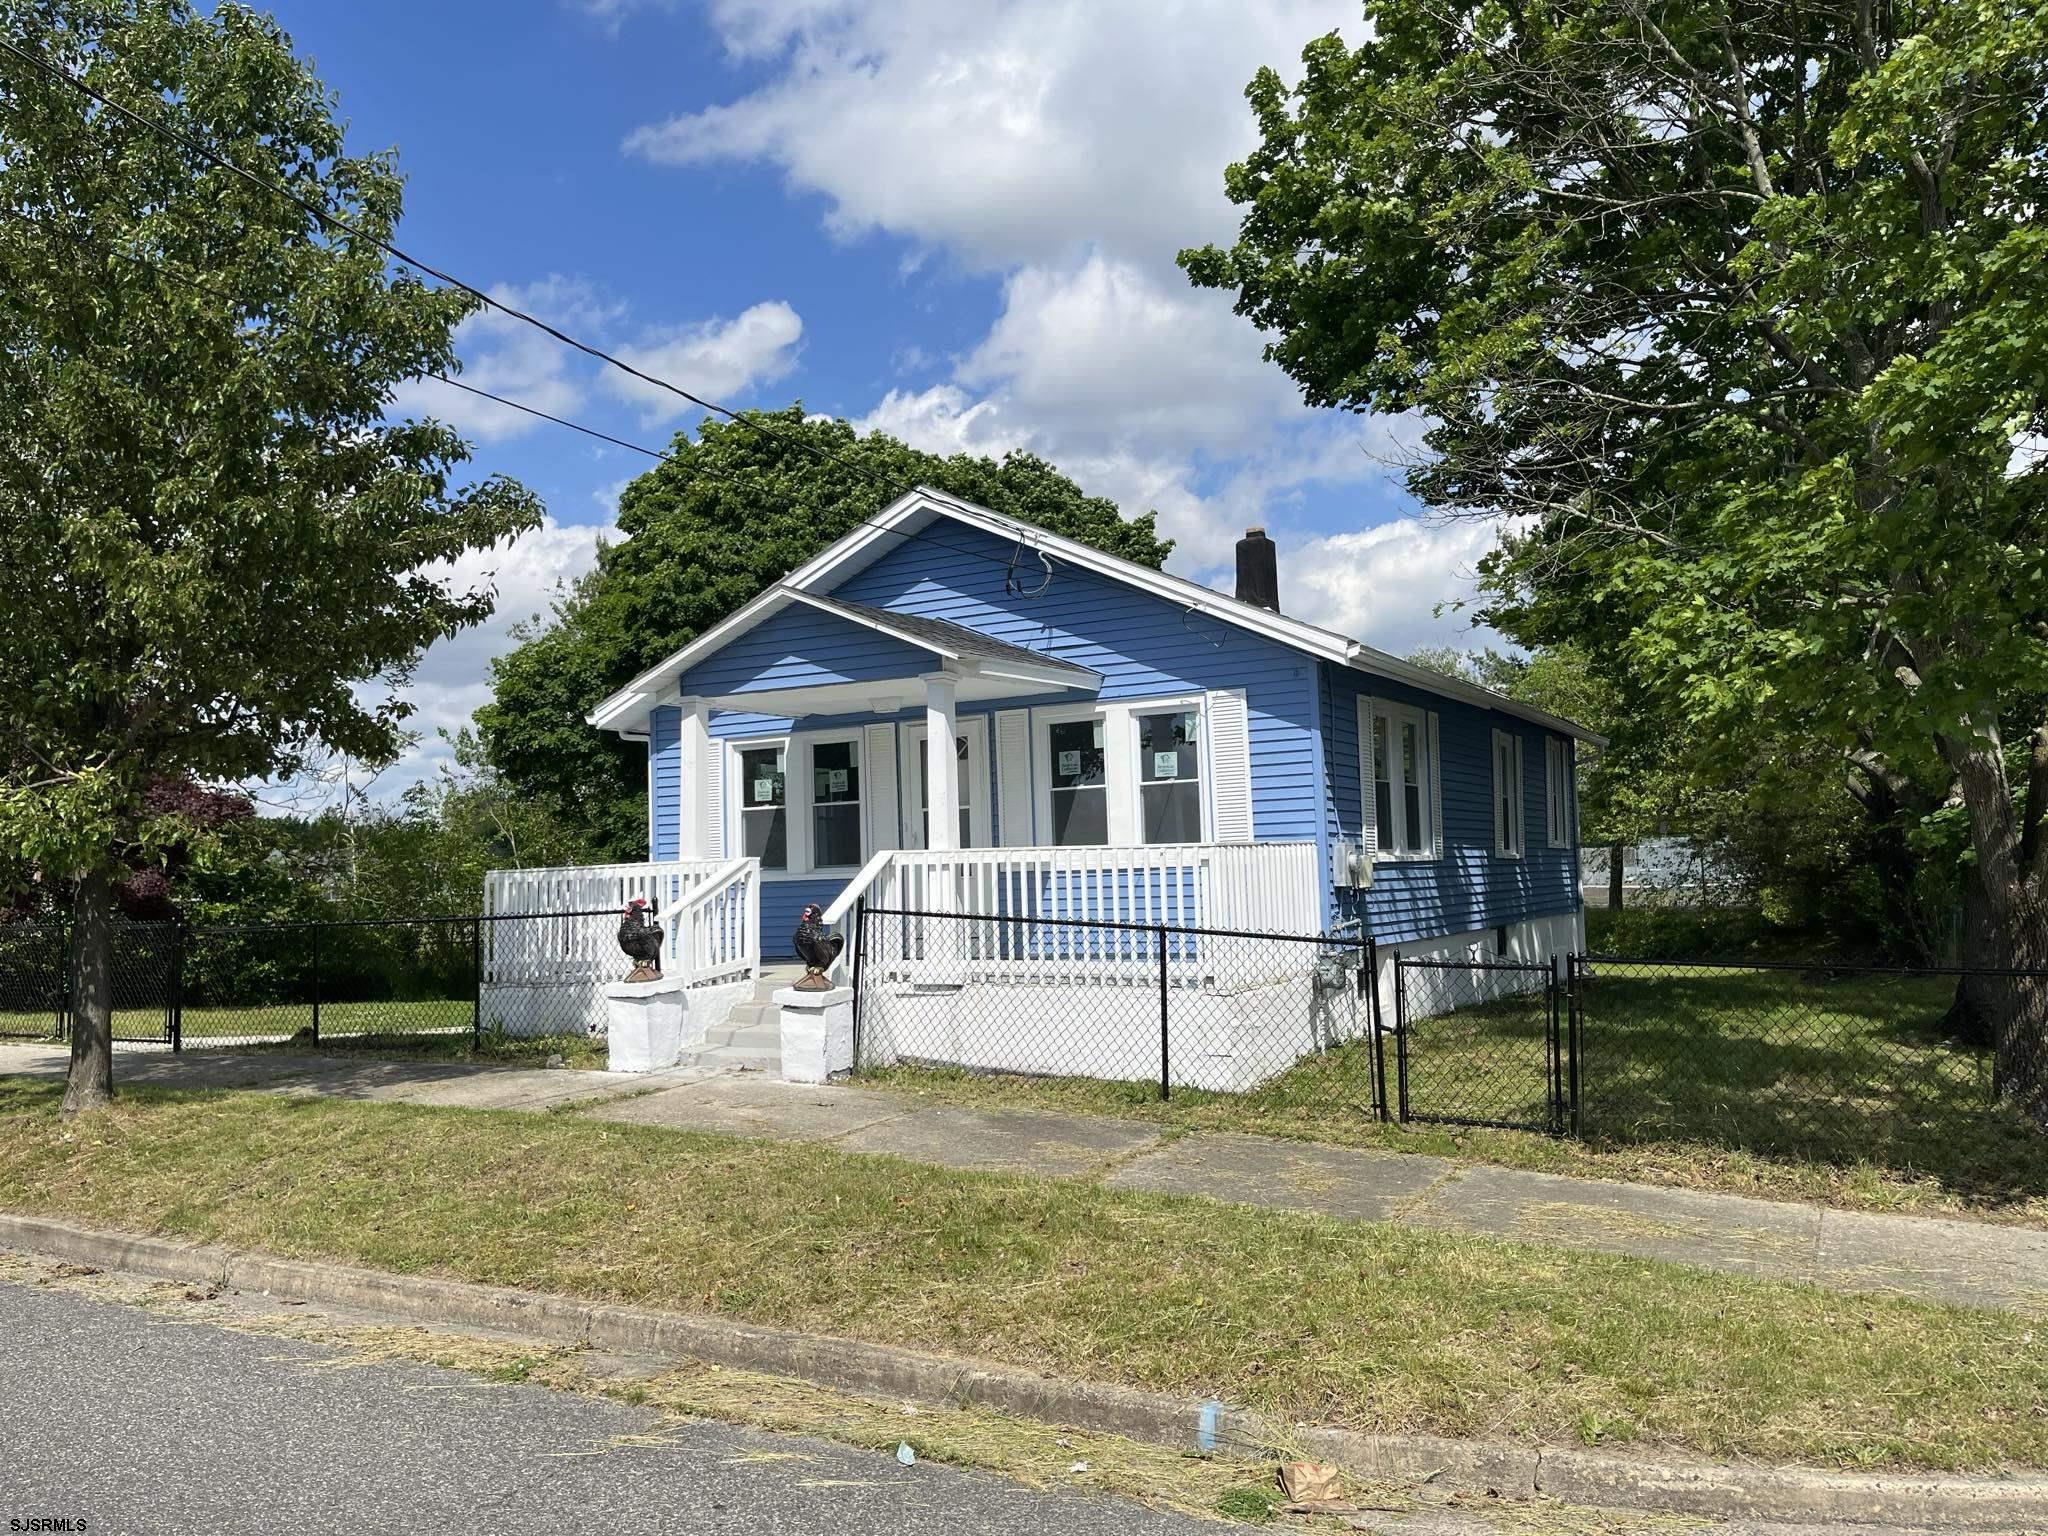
[
  {"x": 333, "y": 220},
  {"x": 164, "y": 271}
]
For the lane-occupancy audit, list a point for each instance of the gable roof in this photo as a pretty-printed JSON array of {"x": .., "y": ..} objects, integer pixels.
[{"x": 913, "y": 512}]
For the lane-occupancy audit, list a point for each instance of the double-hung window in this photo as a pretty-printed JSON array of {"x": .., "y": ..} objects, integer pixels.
[
  {"x": 1557, "y": 792},
  {"x": 1170, "y": 776},
  {"x": 1077, "y": 782},
  {"x": 1507, "y": 794},
  {"x": 1401, "y": 784},
  {"x": 835, "y": 804},
  {"x": 764, "y": 805}
]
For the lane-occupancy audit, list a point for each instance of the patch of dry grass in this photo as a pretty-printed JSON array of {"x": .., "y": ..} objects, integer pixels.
[{"x": 1370, "y": 1326}]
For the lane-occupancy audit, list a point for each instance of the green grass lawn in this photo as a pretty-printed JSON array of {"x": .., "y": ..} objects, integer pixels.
[
  {"x": 1781, "y": 1083},
  {"x": 1370, "y": 1326}
]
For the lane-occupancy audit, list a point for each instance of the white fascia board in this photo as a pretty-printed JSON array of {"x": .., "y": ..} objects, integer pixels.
[{"x": 923, "y": 505}]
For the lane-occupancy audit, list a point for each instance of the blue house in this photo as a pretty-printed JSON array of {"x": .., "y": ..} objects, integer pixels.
[{"x": 955, "y": 710}]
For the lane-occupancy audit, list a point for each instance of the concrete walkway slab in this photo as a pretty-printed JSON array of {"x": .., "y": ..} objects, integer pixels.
[
  {"x": 1016, "y": 1140},
  {"x": 1759, "y": 1238},
  {"x": 1959, "y": 1261},
  {"x": 1290, "y": 1175},
  {"x": 765, "y": 1108}
]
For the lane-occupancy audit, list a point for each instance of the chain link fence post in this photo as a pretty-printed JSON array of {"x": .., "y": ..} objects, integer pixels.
[
  {"x": 476, "y": 977},
  {"x": 1165, "y": 1078},
  {"x": 316, "y": 983},
  {"x": 176, "y": 1001}
]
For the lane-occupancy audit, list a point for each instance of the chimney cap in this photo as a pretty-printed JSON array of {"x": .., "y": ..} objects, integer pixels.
[{"x": 1256, "y": 531}]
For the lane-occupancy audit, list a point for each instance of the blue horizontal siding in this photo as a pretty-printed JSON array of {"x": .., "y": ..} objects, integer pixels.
[
  {"x": 1471, "y": 887},
  {"x": 801, "y": 647},
  {"x": 1144, "y": 647}
]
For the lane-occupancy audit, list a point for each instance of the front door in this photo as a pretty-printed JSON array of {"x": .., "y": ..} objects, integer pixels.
[{"x": 970, "y": 757}]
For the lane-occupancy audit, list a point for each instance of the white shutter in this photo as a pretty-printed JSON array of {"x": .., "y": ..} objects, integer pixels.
[
  {"x": 1013, "y": 776},
  {"x": 1368, "y": 796},
  {"x": 878, "y": 787},
  {"x": 1230, "y": 766},
  {"x": 1436, "y": 790},
  {"x": 1521, "y": 800},
  {"x": 710, "y": 802},
  {"x": 1120, "y": 775}
]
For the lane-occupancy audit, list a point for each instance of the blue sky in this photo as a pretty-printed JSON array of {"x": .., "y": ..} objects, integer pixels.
[{"x": 951, "y": 219}]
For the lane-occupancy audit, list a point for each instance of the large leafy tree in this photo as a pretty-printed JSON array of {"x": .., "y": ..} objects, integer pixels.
[
  {"x": 726, "y": 516},
  {"x": 1740, "y": 307},
  {"x": 209, "y": 536}
]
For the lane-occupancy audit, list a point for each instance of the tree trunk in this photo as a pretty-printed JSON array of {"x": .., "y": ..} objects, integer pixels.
[
  {"x": 2008, "y": 856},
  {"x": 91, "y": 1084},
  {"x": 1616, "y": 853},
  {"x": 1973, "y": 1016}
]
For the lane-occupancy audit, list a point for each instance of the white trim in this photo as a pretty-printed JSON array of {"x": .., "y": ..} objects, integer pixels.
[
  {"x": 654, "y": 853},
  {"x": 1428, "y": 787},
  {"x": 735, "y": 803},
  {"x": 862, "y": 545},
  {"x": 1115, "y": 817},
  {"x": 1509, "y": 842},
  {"x": 1556, "y": 781},
  {"x": 1134, "y": 763},
  {"x": 909, "y": 751},
  {"x": 854, "y": 736}
]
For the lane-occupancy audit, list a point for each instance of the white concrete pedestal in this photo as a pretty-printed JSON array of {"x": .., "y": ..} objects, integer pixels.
[
  {"x": 645, "y": 1021},
  {"x": 817, "y": 1033}
]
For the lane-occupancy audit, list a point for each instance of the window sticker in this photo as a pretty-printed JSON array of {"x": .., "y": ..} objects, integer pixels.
[
  {"x": 764, "y": 790},
  {"x": 839, "y": 780},
  {"x": 1070, "y": 765},
  {"x": 1165, "y": 765}
]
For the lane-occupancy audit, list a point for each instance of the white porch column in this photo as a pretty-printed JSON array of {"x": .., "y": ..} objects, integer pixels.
[{"x": 942, "y": 773}]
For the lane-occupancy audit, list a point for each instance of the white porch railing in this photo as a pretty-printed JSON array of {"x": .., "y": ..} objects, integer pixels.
[
  {"x": 714, "y": 932},
  {"x": 543, "y": 941},
  {"x": 1109, "y": 892}
]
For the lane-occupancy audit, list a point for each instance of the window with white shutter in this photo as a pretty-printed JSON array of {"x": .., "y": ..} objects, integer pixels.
[{"x": 1230, "y": 766}]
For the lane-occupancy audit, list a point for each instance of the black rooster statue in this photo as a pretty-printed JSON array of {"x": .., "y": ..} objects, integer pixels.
[
  {"x": 640, "y": 938},
  {"x": 816, "y": 948}
]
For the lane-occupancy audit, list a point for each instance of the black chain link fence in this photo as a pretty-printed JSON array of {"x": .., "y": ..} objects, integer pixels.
[
  {"x": 1839, "y": 1064},
  {"x": 1826, "y": 1063},
  {"x": 1481, "y": 1042},
  {"x": 460, "y": 980},
  {"x": 1283, "y": 1017}
]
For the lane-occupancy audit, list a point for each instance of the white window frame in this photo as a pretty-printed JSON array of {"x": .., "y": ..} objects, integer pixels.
[
  {"x": 811, "y": 741},
  {"x": 797, "y": 799},
  {"x": 1395, "y": 715},
  {"x": 980, "y": 782},
  {"x": 1113, "y": 747},
  {"x": 1509, "y": 840},
  {"x": 1133, "y": 769},
  {"x": 1556, "y": 792},
  {"x": 736, "y": 799}
]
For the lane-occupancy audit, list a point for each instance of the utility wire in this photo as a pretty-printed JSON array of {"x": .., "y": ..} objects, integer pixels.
[
  {"x": 329, "y": 218},
  {"x": 161, "y": 270}
]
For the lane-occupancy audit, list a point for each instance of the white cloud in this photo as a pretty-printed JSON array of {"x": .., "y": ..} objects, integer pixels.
[
  {"x": 1383, "y": 584},
  {"x": 508, "y": 357},
  {"x": 1004, "y": 130},
  {"x": 715, "y": 359}
]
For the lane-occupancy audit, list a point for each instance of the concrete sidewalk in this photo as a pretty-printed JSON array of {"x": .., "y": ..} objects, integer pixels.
[{"x": 1928, "y": 1257}]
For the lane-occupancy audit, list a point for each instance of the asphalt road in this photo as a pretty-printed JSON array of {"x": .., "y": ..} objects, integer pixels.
[{"x": 137, "y": 1424}]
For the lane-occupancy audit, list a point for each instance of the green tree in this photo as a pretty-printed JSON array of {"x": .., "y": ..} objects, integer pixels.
[
  {"x": 1741, "y": 309},
  {"x": 727, "y": 516},
  {"x": 209, "y": 535}
]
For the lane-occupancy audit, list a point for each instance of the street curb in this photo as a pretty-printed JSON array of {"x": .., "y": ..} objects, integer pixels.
[{"x": 1180, "y": 1423}]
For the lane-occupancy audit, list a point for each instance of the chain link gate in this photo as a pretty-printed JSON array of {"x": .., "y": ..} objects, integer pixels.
[{"x": 1484, "y": 1043}]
